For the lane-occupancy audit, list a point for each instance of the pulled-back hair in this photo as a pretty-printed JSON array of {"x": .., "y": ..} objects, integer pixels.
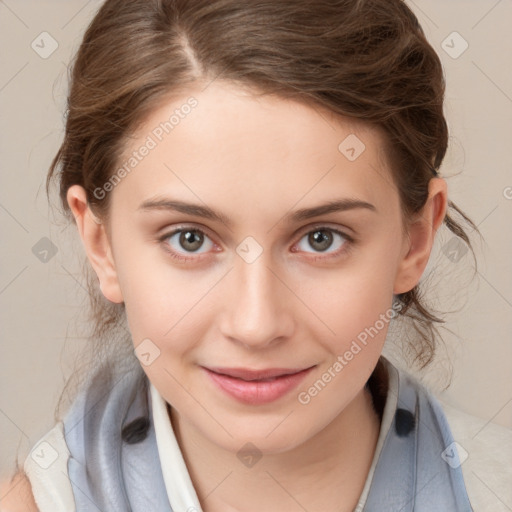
[{"x": 366, "y": 59}]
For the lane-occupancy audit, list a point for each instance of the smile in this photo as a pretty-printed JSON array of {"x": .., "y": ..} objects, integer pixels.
[{"x": 257, "y": 386}]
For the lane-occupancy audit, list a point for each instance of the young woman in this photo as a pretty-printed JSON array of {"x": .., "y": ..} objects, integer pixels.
[{"x": 257, "y": 188}]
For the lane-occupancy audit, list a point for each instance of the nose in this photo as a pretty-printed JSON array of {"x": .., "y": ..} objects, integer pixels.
[{"x": 258, "y": 308}]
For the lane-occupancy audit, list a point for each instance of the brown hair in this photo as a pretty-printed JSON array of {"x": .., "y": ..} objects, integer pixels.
[{"x": 366, "y": 59}]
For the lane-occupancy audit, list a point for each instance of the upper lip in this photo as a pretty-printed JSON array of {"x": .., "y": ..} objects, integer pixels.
[{"x": 248, "y": 374}]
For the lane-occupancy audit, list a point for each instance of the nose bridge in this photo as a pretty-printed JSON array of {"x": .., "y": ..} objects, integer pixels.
[{"x": 258, "y": 312}]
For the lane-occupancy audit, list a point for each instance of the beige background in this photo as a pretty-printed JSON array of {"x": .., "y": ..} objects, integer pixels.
[{"x": 41, "y": 302}]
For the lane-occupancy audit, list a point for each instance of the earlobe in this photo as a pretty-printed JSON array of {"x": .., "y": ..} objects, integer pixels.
[
  {"x": 418, "y": 243},
  {"x": 96, "y": 243}
]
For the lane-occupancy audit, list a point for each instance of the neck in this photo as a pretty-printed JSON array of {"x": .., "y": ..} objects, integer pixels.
[{"x": 327, "y": 472}]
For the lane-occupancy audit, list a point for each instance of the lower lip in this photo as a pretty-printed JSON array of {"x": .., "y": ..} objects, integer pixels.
[{"x": 257, "y": 392}]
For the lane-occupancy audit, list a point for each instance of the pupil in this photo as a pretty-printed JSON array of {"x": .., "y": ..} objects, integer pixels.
[
  {"x": 187, "y": 237},
  {"x": 323, "y": 238}
]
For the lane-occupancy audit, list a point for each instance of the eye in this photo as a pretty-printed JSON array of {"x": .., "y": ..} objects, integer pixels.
[
  {"x": 186, "y": 240},
  {"x": 322, "y": 238},
  {"x": 188, "y": 243}
]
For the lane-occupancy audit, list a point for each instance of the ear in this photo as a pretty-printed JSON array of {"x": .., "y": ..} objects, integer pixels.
[
  {"x": 420, "y": 237},
  {"x": 97, "y": 245}
]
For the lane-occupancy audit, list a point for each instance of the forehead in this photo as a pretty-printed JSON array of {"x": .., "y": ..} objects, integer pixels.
[{"x": 250, "y": 150}]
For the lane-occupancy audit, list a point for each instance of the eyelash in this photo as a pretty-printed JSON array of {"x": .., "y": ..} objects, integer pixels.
[{"x": 346, "y": 247}]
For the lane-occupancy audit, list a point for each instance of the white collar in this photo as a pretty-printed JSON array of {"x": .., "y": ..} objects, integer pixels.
[{"x": 180, "y": 491}]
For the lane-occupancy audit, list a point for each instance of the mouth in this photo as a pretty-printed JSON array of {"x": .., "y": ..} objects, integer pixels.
[
  {"x": 256, "y": 387},
  {"x": 249, "y": 375}
]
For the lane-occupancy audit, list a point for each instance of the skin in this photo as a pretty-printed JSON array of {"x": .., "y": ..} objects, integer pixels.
[
  {"x": 256, "y": 160},
  {"x": 16, "y": 495}
]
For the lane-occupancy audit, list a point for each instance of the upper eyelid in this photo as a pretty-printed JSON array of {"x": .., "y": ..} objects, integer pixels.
[
  {"x": 326, "y": 226},
  {"x": 303, "y": 230},
  {"x": 166, "y": 233}
]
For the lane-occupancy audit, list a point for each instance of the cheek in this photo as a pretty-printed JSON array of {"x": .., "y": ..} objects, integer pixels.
[
  {"x": 356, "y": 305},
  {"x": 163, "y": 303},
  {"x": 356, "y": 295},
  {"x": 357, "y": 309}
]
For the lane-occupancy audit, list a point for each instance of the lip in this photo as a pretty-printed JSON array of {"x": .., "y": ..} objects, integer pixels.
[
  {"x": 248, "y": 374},
  {"x": 256, "y": 386}
]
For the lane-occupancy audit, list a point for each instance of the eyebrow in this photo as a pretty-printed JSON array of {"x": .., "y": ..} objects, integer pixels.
[{"x": 198, "y": 210}]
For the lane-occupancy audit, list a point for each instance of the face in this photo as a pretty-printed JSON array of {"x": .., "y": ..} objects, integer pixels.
[{"x": 258, "y": 274}]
